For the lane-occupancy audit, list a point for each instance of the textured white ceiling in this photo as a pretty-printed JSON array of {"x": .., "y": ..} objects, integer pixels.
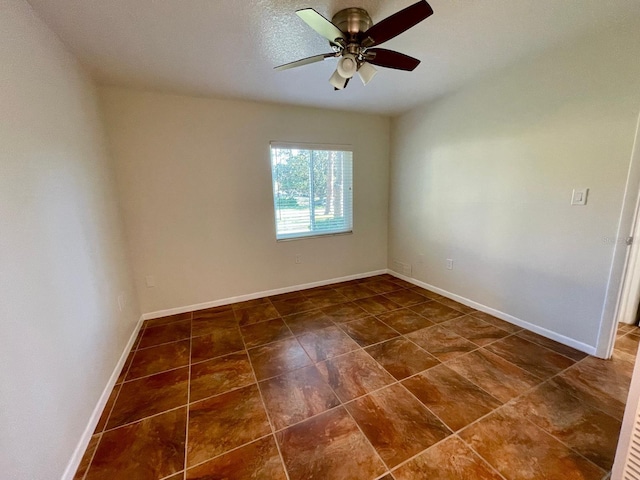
[{"x": 228, "y": 48}]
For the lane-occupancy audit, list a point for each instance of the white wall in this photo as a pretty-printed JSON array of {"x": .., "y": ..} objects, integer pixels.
[
  {"x": 62, "y": 257},
  {"x": 195, "y": 182},
  {"x": 484, "y": 177}
]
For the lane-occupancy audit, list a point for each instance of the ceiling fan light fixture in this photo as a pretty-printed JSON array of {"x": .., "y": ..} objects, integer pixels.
[
  {"x": 367, "y": 72},
  {"x": 338, "y": 81},
  {"x": 347, "y": 66}
]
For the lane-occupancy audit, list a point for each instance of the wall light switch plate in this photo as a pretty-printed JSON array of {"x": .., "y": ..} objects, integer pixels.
[{"x": 579, "y": 196}]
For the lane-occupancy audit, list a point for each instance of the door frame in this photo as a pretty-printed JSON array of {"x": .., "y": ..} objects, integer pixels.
[{"x": 623, "y": 288}]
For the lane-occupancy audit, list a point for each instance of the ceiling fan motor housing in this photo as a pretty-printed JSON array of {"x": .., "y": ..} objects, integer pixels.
[{"x": 352, "y": 21}]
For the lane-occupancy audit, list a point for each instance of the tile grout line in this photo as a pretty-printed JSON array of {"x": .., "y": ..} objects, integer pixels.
[
  {"x": 195, "y": 465},
  {"x": 95, "y": 449},
  {"x": 264, "y": 406},
  {"x": 344, "y": 407}
]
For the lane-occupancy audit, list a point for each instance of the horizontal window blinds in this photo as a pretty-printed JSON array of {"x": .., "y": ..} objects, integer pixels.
[{"x": 312, "y": 189}]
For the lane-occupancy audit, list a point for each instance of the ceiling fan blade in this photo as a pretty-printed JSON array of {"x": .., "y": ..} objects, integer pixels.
[
  {"x": 321, "y": 25},
  {"x": 338, "y": 81},
  {"x": 390, "y": 59},
  {"x": 397, "y": 23},
  {"x": 304, "y": 61}
]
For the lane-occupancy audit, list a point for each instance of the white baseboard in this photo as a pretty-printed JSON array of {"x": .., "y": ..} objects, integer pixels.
[
  {"x": 251, "y": 296},
  {"x": 570, "y": 342},
  {"x": 76, "y": 458}
]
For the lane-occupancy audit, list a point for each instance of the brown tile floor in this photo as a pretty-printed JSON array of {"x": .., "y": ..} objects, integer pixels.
[{"x": 369, "y": 379}]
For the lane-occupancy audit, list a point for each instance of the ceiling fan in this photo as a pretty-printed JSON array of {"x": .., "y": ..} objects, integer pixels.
[{"x": 352, "y": 36}]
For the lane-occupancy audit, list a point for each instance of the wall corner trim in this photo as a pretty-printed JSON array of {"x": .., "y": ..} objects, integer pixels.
[
  {"x": 78, "y": 453},
  {"x": 570, "y": 342}
]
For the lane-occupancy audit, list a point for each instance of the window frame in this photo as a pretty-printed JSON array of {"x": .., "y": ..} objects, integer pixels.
[{"x": 348, "y": 199}]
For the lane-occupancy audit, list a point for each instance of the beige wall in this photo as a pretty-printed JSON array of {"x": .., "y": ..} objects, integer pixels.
[
  {"x": 485, "y": 176},
  {"x": 62, "y": 258},
  {"x": 195, "y": 183}
]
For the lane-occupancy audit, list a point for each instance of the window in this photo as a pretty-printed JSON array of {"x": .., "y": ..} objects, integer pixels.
[{"x": 312, "y": 190}]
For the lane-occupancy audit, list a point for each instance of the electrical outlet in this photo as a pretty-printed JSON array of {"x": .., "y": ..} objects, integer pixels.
[
  {"x": 151, "y": 281},
  {"x": 298, "y": 259},
  {"x": 449, "y": 264}
]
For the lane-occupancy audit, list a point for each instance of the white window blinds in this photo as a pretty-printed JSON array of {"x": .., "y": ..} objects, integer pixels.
[{"x": 312, "y": 189}]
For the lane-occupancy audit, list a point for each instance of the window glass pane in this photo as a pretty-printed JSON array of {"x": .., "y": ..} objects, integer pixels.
[{"x": 312, "y": 191}]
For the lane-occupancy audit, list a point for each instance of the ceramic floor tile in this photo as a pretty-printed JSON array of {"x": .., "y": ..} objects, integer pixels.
[
  {"x": 456, "y": 305},
  {"x": 209, "y": 323},
  {"x": 426, "y": 293},
  {"x": 177, "y": 476},
  {"x": 368, "y": 331},
  {"x": 356, "y": 292},
  {"x": 381, "y": 286},
  {"x": 354, "y": 374},
  {"x": 345, "y": 312},
  {"x": 327, "y": 298},
  {"x": 436, "y": 312},
  {"x": 628, "y": 344},
  {"x": 589, "y": 431},
  {"x": 150, "y": 395},
  {"x": 475, "y": 330},
  {"x": 625, "y": 328},
  {"x": 377, "y": 305},
  {"x": 449, "y": 460},
  {"x": 326, "y": 343},
  {"x": 256, "y": 314},
  {"x": 150, "y": 449},
  {"x": 219, "y": 375},
  {"x": 293, "y": 305},
  {"x": 401, "y": 358},
  {"x": 569, "y": 352},
  {"x": 159, "y": 359},
  {"x": 223, "y": 342},
  {"x": 509, "y": 327},
  {"x": 215, "y": 310},
  {"x": 531, "y": 357},
  {"x": 127, "y": 363},
  {"x": 296, "y": 396},
  {"x": 405, "y": 321},
  {"x": 493, "y": 374},
  {"x": 102, "y": 422},
  {"x": 171, "y": 332},
  {"x": 441, "y": 342},
  {"x": 603, "y": 384},
  {"x": 300, "y": 323},
  {"x": 329, "y": 446},
  {"x": 224, "y": 422},
  {"x": 156, "y": 322},
  {"x": 405, "y": 298},
  {"x": 397, "y": 425},
  {"x": 277, "y": 358},
  {"x": 286, "y": 296},
  {"x": 259, "y": 460},
  {"x": 522, "y": 451},
  {"x": 265, "y": 332},
  {"x": 249, "y": 303},
  {"x": 456, "y": 400},
  {"x": 86, "y": 458}
]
